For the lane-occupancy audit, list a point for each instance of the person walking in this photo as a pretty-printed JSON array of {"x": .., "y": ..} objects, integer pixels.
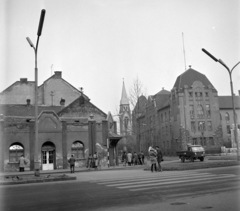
[
  {"x": 129, "y": 158},
  {"x": 153, "y": 158},
  {"x": 89, "y": 161},
  {"x": 22, "y": 163},
  {"x": 95, "y": 159},
  {"x": 124, "y": 158},
  {"x": 142, "y": 157},
  {"x": 159, "y": 158},
  {"x": 71, "y": 161}
]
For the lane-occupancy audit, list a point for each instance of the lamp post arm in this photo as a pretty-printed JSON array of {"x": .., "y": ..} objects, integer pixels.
[{"x": 235, "y": 66}]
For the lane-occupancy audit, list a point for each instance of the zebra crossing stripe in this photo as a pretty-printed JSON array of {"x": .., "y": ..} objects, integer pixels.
[
  {"x": 211, "y": 181},
  {"x": 146, "y": 176},
  {"x": 185, "y": 180},
  {"x": 150, "y": 178}
]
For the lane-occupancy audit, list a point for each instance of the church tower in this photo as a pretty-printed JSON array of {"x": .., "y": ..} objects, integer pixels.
[{"x": 125, "y": 114}]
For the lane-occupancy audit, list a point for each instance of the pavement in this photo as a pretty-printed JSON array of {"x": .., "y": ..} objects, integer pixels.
[{"x": 169, "y": 164}]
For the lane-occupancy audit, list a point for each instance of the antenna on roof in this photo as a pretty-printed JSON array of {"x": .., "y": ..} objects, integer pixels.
[
  {"x": 184, "y": 52},
  {"x": 51, "y": 69}
]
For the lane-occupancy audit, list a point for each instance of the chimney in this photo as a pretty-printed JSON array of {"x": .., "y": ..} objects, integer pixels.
[
  {"x": 23, "y": 80},
  {"x": 62, "y": 103},
  {"x": 58, "y": 74},
  {"x": 28, "y": 102}
]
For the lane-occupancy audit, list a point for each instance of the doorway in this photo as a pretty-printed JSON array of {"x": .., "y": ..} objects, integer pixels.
[{"x": 48, "y": 156}]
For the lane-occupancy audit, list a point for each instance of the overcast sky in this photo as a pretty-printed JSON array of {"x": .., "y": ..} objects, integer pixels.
[{"x": 97, "y": 43}]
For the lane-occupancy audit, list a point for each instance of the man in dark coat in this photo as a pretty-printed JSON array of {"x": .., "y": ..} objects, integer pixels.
[
  {"x": 72, "y": 163},
  {"x": 159, "y": 158}
]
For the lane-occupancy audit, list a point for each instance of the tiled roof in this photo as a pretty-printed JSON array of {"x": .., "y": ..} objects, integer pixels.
[
  {"x": 162, "y": 98},
  {"x": 25, "y": 110},
  {"x": 225, "y": 102},
  {"x": 189, "y": 76}
]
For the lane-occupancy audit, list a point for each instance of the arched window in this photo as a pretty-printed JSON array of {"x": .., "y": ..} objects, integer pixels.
[
  {"x": 200, "y": 113},
  {"x": 78, "y": 149},
  {"x": 126, "y": 122},
  {"x": 15, "y": 152},
  {"x": 227, "y": 117}
]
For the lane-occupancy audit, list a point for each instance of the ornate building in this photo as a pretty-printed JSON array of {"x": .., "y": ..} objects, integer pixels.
[{"x": 191, "y": 113}]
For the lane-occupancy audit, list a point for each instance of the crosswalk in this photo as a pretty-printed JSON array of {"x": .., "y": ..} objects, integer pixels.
[{"x": 172, "y": 181}]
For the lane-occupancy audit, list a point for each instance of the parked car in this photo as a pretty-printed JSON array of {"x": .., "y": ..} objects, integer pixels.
[{"x": 193, "y": 152}]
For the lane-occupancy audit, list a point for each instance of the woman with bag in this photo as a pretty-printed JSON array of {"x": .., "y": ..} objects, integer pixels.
[{"x": 153, "y": 158}]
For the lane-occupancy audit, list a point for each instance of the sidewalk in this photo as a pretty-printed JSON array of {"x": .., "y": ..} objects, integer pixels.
[{"x": 67, "y": 171}]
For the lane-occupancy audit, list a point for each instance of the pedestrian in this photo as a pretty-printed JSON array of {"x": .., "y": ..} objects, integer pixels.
[
  {"x": 22, "y": 163},
  {"x": 72, "y": 160},
  {"x": 89, "y": 161},
  {"x": 153, "y": 158},
  {"x": 159, "y": 158},
  {"x": 95, "y": 160},
  {"x": 142, "y": 157},
  {"x": 135, "y": 158},
  {"x": 129, "y": 158},
  {"x": 124, "y": 158}
]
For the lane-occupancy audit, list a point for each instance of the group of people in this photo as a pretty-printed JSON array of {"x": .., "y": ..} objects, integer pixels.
[
  {"x": 156, "y": 157},
  {"x": 92, "y": 161},
  {"x": 132, "y": 158}
]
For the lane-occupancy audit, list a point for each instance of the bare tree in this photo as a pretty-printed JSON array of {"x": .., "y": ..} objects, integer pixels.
[{"x": 136, "y": 91}]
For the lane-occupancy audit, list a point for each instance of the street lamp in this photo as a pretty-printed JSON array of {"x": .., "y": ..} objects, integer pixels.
[
  {"x": 36, "y": 161},
  {"x": 231, "y": 85}
]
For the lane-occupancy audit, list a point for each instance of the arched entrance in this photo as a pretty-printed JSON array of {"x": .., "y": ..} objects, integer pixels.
[{"x": 48, "y": 156}]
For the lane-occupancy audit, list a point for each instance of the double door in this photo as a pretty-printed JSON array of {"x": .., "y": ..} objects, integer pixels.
[{"x": 47, "y": 160}]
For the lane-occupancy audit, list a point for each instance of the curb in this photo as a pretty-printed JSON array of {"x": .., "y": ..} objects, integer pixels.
[{"x": 38, "y": 181}]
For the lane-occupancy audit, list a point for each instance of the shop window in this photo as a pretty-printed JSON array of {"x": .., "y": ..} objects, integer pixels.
[
  {"x": 15, "y": 152},
  {"x": 78, "y": 149}
]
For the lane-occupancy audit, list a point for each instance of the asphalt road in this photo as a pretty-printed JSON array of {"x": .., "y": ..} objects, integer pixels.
[{"x": 128, "y": 190}]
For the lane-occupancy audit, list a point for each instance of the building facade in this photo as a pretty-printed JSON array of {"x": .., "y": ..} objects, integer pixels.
[
  {"x": 191, "y": 113},
  {"x": 79, "y": 128}
]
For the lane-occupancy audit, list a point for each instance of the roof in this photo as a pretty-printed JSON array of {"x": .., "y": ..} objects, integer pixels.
[
  {"x": 189, "y": 76},
  {"x": 124, "y": 99},
  {"x": 225, "y": 102},
  {"x": 18, "y": 110},
  {"x": 162, "y": 98},
  {"x": 82, "y": 100}
]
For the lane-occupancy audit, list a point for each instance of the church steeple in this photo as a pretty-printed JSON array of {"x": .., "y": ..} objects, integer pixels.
[
  {"x": 124, "y": 100},
  {"x": 125, "y": 113}
]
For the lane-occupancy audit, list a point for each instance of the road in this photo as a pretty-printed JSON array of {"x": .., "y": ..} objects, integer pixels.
[{"x": 215, "y": 189}]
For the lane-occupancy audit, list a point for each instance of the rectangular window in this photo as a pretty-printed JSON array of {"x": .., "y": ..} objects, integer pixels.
[
  {"x": 201, "y": 126},
  {"x": 190, "y": 94},
  {"x": 211, "y": 142},
  {"x": 228, "y": 129},
  {"x": 191, "y": 111},
  {"x": 208, "y": 111},
  {"x": 206, "y": 94},
  {"x": 209, "y": 126},
  {"x": 193, "y": 126},
  {"x": 166, "y": 130}
]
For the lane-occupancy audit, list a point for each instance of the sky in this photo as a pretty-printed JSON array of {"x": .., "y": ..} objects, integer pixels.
[{"x": 98, "y": 43}]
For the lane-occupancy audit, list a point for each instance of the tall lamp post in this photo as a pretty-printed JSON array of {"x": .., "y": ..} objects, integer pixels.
[
  {"x": 36, "y": 161},
  {"x": 231, "y": 85}
]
